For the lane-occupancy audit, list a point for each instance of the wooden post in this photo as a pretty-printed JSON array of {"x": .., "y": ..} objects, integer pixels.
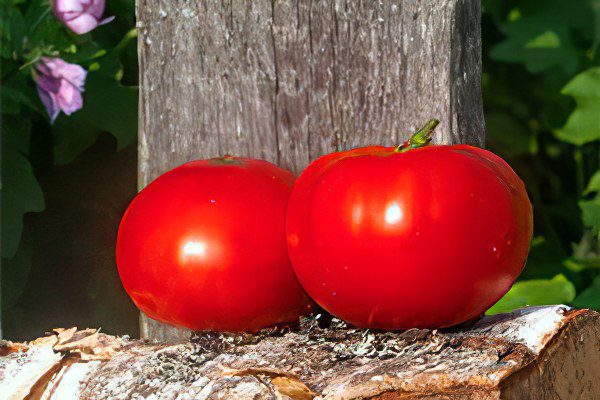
[{"x": 291, "y": 80}]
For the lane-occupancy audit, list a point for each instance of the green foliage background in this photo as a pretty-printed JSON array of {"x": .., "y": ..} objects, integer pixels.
[
  {"x": 541, "y": 87},
  {"x": 30, "y": 144}
]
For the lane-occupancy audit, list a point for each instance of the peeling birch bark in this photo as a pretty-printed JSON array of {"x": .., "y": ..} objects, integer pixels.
[{"x": 537, "y": 353}]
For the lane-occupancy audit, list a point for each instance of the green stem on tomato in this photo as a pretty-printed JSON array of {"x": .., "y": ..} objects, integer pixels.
[{"x": 420, "y": 138}]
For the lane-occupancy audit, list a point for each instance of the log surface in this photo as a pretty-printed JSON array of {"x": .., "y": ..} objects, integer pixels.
[
  {"x": 290, "y": 80},
  {"x": 535, "y": 353}
]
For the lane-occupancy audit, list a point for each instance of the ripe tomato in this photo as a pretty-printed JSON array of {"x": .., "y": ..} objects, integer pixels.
[
  {"x": 203, "y": 246},
  {"x": 392, "y": 239}
]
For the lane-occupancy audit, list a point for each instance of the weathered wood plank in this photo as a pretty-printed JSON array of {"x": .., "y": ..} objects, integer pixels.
[
  {"x": 537, "y": 353},
  {"x": 291, "y": 80}
]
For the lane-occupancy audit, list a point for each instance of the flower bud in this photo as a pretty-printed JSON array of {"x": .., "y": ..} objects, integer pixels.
[
  {"x": 60, "y": 85},
  {"x": 80, "y": 16}
]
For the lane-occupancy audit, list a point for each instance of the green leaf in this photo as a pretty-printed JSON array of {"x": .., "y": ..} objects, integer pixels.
[
  {"x": 123, "y": 9},
  {"x": 11, "y": 30},
  {"x": 547, "y": 40},
  {"x": 590, "y": 212},
  {"x": 37, "y": 12},
  {"x": 535, "y": 292},
  {"x": 584, "y": 254},
  {"x": 590, "y": 297},
  {"x": 507, "y": 136},
  {"x": 583, "y": 125},
  {"x": 12, "y": 100},
  {"x": 493, "y": 8},
  {"x": 545, "y": 259},
  {"x": 21, "y": 192},
  {"x": 14, "y": 274},
  {"x": 108, "y": 107},
  {"x": 594, "y": 183},
  {"x": 539, "y": 34},
  {"x": 46, "y": 34},
  {"x": 18, "y": 91},
  {"x": 85, "y": 52},
  {"x": 581, "y": 264}
]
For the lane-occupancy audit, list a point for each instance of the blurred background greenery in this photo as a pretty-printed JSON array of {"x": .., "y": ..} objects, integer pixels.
[{"x": 65, "y": 185}]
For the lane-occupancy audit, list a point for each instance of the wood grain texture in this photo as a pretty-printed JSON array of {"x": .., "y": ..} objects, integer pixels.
[
  {"x": 541, "y": 353},
  {"x": 291, "y": 80},
  {"x": 566, "y": 369}
]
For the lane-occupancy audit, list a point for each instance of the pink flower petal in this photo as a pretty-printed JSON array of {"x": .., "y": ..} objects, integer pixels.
[
  {"x": 60, "y": 85},
  {"x": 69, "y": 5},
  {"x": 50, "y": 103},
  {"x": 106, "y": 20},
  {"x": 75, "y": 74},
  {"x": 68, "y": 16},
  {"x": 82, "y": 24},
  {"x": 69, "y": 98},
  {"x": 48, "y": 83},
  {"x": 59, "y": 68},
  {"x": 43, "y": 67},
  {"x": 81, "y": 16},
  {"x": 96, "y": 8}
]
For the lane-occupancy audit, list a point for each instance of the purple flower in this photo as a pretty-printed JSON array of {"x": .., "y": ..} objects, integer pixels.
[
  {"x": 80, "y": 16},
  {"x": 59, "y": 85}
]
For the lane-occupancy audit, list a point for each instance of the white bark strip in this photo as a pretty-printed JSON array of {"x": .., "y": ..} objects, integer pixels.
[{"x": 537, "y": 353}]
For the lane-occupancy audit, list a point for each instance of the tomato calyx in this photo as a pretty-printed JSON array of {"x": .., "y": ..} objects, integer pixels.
[
  {"x": 227, "y": 159},
  {"x": 420, "y": 138}
]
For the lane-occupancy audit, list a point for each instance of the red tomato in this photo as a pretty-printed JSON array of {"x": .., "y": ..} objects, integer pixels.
[
  {"x": 428, "y": 238},
  {"x": 203, "y": 246}
]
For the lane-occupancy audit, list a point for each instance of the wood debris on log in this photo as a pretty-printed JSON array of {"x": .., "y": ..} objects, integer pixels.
[{"x": 502, "y": 356}]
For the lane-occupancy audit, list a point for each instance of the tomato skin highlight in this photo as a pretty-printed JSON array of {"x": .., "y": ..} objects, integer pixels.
[
  {"x": 428, "y": 238},
  {"x": 203, "y": 246}
]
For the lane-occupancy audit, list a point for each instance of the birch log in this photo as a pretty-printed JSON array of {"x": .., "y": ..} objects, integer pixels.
[
  {"x": 538, "y": 353},
  {"x": 290, "y": 80}
]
